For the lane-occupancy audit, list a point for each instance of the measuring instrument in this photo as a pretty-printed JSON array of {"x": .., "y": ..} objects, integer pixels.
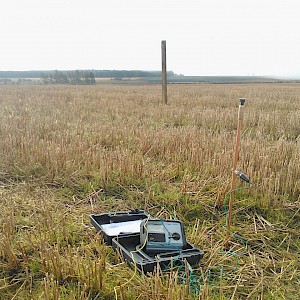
[{"x": 160, "y": 235}]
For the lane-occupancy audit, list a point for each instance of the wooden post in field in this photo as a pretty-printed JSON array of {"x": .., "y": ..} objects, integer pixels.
[
  {"x": 164, "y": 71},
  {"x": 235, "y": 161}
]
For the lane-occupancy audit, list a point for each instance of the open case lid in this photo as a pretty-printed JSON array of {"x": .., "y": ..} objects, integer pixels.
[{"x": 115, "y": 224}]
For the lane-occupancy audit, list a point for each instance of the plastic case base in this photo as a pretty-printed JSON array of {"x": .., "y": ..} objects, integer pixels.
[{"x": 128, "y": 244}]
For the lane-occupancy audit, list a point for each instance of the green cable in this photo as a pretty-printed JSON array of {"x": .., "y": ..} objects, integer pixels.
[
  {"x": 216, "y": 273},
  {"x": 226, "y": 210}
]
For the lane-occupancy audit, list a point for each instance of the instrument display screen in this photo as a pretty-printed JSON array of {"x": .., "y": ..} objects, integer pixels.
[{"x": 155, "y": 228}]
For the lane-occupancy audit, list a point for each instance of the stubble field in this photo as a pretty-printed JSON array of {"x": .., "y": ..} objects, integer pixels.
[{"x": 69, "y": 151}]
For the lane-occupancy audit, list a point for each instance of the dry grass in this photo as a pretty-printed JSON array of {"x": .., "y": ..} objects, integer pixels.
[{"x": 70, "y": 151}]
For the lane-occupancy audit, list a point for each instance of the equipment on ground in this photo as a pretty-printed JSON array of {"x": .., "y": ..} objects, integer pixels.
[
  {"x": 158, "y": 235},
  {"x": 145, "y": 242}
]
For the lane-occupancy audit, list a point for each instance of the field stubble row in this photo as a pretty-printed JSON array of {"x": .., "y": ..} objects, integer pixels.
[{"x": 58, "y": 135}]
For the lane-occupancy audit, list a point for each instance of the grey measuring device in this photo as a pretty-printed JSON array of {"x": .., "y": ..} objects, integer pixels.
[{"x": 160, "y": 235}]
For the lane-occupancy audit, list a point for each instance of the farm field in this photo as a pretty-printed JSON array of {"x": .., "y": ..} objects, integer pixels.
[{"x": 69, "y": 151}]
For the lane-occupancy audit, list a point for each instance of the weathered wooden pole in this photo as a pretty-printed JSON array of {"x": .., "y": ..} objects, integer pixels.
[
  {"x": 234, "y": 165},
  {"x": 164, "y": 71}
]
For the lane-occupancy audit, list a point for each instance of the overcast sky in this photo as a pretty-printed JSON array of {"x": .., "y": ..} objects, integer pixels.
[{"x": 212, "y": 37}]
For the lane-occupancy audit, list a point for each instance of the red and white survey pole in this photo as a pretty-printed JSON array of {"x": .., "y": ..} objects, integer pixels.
[{"x": 234, "y": 165}]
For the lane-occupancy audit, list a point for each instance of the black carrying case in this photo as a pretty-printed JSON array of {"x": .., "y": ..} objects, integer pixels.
[
  {"x": 128, "y": 247},
  {"x": 128, "y": 243}
]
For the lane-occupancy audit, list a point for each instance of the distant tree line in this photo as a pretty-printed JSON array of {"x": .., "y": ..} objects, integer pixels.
[
  {"x": 96, "y": 73},
  {"x": 128, "y": 73},
  {"x": 75, "y": 77}
]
